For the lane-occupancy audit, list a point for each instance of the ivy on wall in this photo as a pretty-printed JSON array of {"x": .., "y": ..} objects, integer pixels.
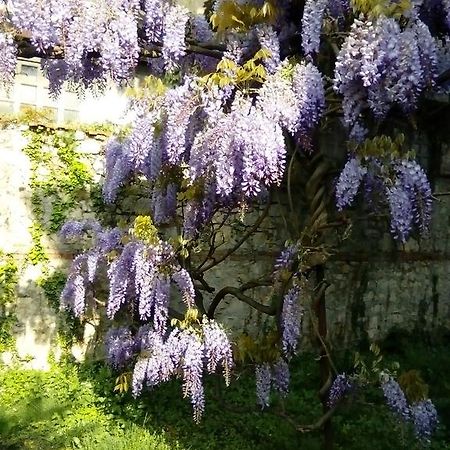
[
  {"x": 9, "y": 277},
  {"x": 61, "y": 179}
]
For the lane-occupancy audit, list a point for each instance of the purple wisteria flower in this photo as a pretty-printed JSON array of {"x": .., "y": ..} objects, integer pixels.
[
  {"x": 268, "y": 40},
  {"x": 342, "y": 386},
  {"x": 73, "y": 229},
  {"x": 395, "y": 398},
  {"x": 424, "y": 418},
  {"x": 8, "y": 59},
  {"x": 286, "y": 259},
  {"x": 174, "y": 45},
  {"x": 401, "y": 210},
  {"x": 192, "y": 367},
  {"x": 281, "y": 377},
  {"x": 263, "y": 377},
  {"x": 348, "y": 183},
  {"x": 415, "y": 183},
  {"x": 183, "y": 282},
  {"x": 312, "y": 25},
  {"x": 243, "y": 150},
  {"x": 179, "y": 106},
  {"x": 118, "y": 168},
  {"x": 217, "y": 348},
  {"x": 120, "y": 347},
  {"x": 154, "y": 14},
  {"x": 291, "y": 316},
  {"x": 73, "y": 296}
]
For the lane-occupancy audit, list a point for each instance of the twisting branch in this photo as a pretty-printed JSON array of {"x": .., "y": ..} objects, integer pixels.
[
  {"x": 212, "y": 243},
  {"x": 239, "y": 294},
  {"x": 310, "y": 427},
  {"x": 253, "y": 228},
  {"x": 27, "y": 50}
]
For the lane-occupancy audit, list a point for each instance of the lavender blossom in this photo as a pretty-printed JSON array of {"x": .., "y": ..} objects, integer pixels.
[
  {"x": 121, "y": 278},
  {"x": 263, "y": 383},
  {"x": 424, "y": 418},
  {"x": 401, "y": 210},
  {"x": 291, "y": 315},
  {"x": 312, "y": 25},
  {"x": 154, "y": 15},
  {"x": 192, "y": 375},
  {"x": 281, "y": 377},
  {"x": 277, "y": 100},
  {"x": 244, "y": 150},
  {"x": 307, "y": 86},
  {"x": 161, "y": 295},
  {"x": 341, "y": 387},
  {"x": 138, "y": 379},
  {"x": 180, "y": 103},
  {"x": 217, "y": 348},
  {"x": 73, "y": 296},
  {"x": 120, "y": 347},
  {"x": 174, "y": 46},
  {"x": 184, "y": 283},
  {"x": 286, "y": 259},
  {"x": 73, "y": 229},
  {"x": 268, "y": 40},
  {"x": 118, "y": 168},
  {"x": 140, "y": 144},
  {"x": 108, "y": 240},
  {"x": 395, "y": 399},
  {"x": 8, "y": 59},
  {"x": 348, "y": 184},
  {"x": 415, "y": 183}
]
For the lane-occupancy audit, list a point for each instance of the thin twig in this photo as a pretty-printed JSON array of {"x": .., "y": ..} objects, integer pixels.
[{"x": 241, "y": 241}]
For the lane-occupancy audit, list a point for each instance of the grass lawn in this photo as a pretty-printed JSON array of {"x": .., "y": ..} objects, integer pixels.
[{"x": 74, "y": 407}]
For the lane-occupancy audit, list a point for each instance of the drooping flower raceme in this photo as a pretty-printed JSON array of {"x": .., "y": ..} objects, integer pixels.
[
  {"x": 291, "y": 315},
  {"x": 84, "y": 266},
  {"x": 242, "y": 152},
  {"x": 174, "y": 46},
  {"x": 342, "y": 386},
  {"x": 263, "y": 377},
  {"x": 380, "y": 64},
  {"x": 217, "y": 348},
  {"x": 268, "y": 40},
  {"x": 424, "y": 418},
  {"x": 422, "y": 414},
  {"x": 186, "y": 353},
  {"x": 120, "y": 347},
  {"x": 395, "y": 398},
  {"x": 348, "y": 183},
  {"x": 281, "y": 377},
  {"x": 415, "y": 183},
  {"x": 312, "y": 25},
  {"x": 8, "y": 59},
  {"x": 295, "y": 98},
  {"x": 286, "y": 259},
  {"x": 274, "y": 375}
]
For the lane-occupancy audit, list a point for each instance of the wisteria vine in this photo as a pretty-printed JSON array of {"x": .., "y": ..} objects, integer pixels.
[{"x": 242, "y": 99}]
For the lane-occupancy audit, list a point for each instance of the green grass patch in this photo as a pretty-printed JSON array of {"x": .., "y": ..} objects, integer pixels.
[{"x": 74, "y": 407}]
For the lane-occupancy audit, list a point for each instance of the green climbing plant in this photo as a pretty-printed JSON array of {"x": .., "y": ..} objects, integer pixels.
[{"x": 9, "y": 277}]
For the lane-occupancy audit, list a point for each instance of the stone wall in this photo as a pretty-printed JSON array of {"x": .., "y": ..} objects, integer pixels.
[{"x": 375, "y": 284}]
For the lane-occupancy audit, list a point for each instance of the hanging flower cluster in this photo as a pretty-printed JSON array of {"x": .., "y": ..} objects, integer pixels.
[{"x": 406, "y": 189}]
